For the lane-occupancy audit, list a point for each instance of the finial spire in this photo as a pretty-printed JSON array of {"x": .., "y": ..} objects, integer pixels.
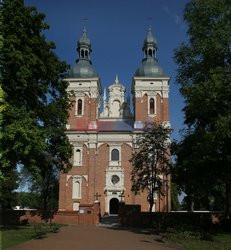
[
  {"x": 149, "y": 19},
  {"x": 104, "y": 95},
  {"x": 116, "y": 79},
  {"x": 85, "y": 24},
  {"x": 149, "y": 28},
  {"x": 84, "y": 29}
]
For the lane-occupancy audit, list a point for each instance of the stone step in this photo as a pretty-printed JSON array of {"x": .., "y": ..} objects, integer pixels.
[{"x": 110, "y": 221}]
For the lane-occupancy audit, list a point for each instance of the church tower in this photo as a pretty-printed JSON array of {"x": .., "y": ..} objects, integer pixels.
[
  {"x": 85, "y": 90},
  {"x": 84, "y": 83},
  {"x": 150, "y": 91},
  {"x": 150, "y": 86}
]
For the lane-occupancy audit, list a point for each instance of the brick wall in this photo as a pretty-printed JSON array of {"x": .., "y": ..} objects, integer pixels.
[
  {"x": 90, "y": 112},
  {"x": 88, "y": 215},
  {"x": 141, "y": 109},
  {"x": 131, "y": 215},
  {"x": 95, "y": 161}
]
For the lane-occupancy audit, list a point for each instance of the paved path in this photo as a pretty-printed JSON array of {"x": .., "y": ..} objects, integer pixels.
[{"x": 78, "y": 237}]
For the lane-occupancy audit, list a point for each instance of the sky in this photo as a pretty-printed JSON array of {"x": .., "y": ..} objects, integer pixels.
[{"x": 117, "y": 29}]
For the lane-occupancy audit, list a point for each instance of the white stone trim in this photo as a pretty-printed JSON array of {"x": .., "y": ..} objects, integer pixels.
[
  {"x": 76, "y": 105},
  {"x": 86, "y": 178},
  {"x": 91, "y": 85},
  {"x": 78, "y": 161},
  {"x": 142, "y": 86},
  {"x": 76, "y": 187},
  {"x": 75, "y": 206},
  {"x": 67, "y": 179},
  {"x": 154, "y": 98},
  {"x": 111, "y": 147}
]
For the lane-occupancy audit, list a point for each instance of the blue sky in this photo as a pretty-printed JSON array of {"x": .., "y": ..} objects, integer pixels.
[{"x": 117, "y": 29}]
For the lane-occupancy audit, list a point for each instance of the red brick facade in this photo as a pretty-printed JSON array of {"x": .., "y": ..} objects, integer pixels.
[
  {"x": 95, "y": 157},
  {"x": 102, "y": 152}
]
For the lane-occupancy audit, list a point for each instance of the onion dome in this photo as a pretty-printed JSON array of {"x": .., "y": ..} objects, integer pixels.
[
  {"x": 84, "y": 40},
  {"x": 149, "y": 66},
  {"x": 150, "y": 39},
  {"x": 83, "y": 67}
]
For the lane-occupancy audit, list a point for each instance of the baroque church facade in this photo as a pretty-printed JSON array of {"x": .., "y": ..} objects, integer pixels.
[{"x": 103, "y": 138}]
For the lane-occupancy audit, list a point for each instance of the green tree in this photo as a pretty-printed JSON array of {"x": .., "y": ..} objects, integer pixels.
[
  {"x": 151, "y": 160},
  {"x": 175, "y": 205},
  {"x": 45, "y": 183},
  {"x": 28, "y": 200},
  {"x": 36, "y": 113},
  {"x": 203, "y": 162}
]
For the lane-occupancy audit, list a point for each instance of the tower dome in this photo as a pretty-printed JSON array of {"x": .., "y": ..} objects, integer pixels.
[
  {"x": 150, "y": 39},
  {"x": 83, "y": 67},
  {"x": 84, "y": 40},
  {"x": 149, "y": 66}
]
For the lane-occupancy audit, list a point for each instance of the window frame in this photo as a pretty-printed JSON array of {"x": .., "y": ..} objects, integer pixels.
[
  {"x": 154, "y": 103},
  {"x": 80, "y": 162},
  {"x": 77, "y": 179},
  {"x": 118, "y": 154},
  {"x": 76, "y": 106}
]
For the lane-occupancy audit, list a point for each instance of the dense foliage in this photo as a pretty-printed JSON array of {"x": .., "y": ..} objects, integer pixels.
[
  {"x": 33, "y": 121},
  {"x": 151, "y": 161},
  {"x": 203, "y": 156}
]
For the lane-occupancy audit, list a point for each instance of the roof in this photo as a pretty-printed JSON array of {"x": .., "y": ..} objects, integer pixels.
[
  {"x": 150, "y": 68},
  {"x": 82, "y": 69}
]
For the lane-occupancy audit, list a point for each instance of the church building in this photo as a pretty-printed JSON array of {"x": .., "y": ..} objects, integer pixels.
[{"x": 103, "y": 138}]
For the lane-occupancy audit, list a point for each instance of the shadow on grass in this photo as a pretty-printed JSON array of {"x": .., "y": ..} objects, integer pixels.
[
  {"x": 156, "y": 237},
  {"x": 189, "y": 239}
]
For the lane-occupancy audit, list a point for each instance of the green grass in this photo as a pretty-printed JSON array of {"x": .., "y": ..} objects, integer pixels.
[
  {"x": 221, "y": 241},
  {"x": 13, "y": 235}
]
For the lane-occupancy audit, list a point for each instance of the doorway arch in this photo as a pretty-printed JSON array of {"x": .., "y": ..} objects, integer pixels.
[{"x": 114, "y": 206}]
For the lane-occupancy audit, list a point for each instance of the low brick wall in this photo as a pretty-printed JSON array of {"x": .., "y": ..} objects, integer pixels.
[
  {"x": 131, "y": 215},
  {"x": 87, "y": 215}
]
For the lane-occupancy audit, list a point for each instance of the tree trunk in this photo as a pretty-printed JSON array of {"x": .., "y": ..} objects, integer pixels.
[
  {"x": 45, "y": 202},
  {"x": 150, "y": 212},
  {"x": 150, "y": 206},
  {"x": 190, "y": 204},
  {"x": 227, "y": 200}
]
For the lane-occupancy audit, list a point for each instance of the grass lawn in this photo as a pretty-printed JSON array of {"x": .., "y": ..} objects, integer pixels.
[
  {"x": 221, "y": 241},
  {"x": 13, "y": 235}
]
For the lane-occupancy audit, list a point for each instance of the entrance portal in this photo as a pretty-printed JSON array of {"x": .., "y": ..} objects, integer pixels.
[{"x": 114, "y": 206}]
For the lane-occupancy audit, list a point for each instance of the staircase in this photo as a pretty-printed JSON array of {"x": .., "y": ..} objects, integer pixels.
[{"x": 110, "y": 221}]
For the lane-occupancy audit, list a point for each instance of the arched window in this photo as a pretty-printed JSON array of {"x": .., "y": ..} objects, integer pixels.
[
  {"x": 82, "y": 53},
  {"x": 116, "y": 108},
  {"x": 86, "y": 53},
  {"x": 152, "y": 106},
  {"x": 78, "y": 156},
  {"x": 150, "y": 52},
  {"x": 80, "y": 106},
  {"x": 115, "y": 155},
  {"x": 77, "y": 187}
]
